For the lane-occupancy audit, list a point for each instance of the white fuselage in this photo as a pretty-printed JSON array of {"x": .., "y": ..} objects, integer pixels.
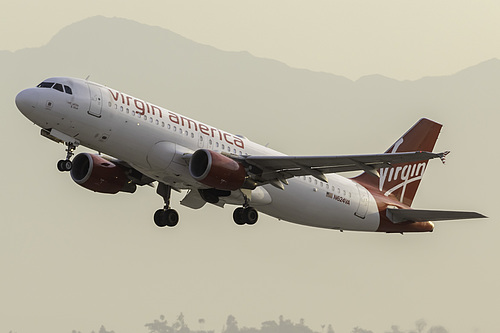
[{"x": 155, "y": 141}]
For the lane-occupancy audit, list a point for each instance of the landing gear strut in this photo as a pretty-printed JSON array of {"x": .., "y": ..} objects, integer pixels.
[
  {"x": 166, "y": 216},
  {"x": 66, "y": 165}
]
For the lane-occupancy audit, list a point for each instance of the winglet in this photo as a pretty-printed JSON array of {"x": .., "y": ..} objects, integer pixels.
[{"x": 443, "y": 155}]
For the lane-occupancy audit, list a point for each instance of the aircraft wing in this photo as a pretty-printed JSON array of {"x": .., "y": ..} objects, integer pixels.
[
  {"x": 420, "y": 215},
  {"x": 282, "y": 167}
]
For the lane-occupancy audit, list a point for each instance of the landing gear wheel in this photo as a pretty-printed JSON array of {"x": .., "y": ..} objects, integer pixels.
[
  {"x": 247, "y": 215},
  {"x": 172, "y": 217},
  {"x": 250, "y": 215},
  {"x": 164, "y": 218},
  {"x": 238, "y": 216},
  {"x": 64, "y": 165}
]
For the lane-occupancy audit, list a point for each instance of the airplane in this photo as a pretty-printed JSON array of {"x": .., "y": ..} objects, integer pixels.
[{"x": 143, "y": 143}]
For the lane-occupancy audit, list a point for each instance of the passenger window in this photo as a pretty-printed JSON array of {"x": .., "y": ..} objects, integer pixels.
[
  {"x": 58, "y": 87},
  {"x": 68, "y": 90}
]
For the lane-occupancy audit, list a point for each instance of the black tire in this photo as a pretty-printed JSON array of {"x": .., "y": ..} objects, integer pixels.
[
  {"x": 171, "y": 217},
  {"x": 60, "y": 166},
  {"x": 250, "y": 216},
  {"x": 160, "y": 219},
  {"x": 238, "y": 216},
  {"x": 68, "y": 165}
]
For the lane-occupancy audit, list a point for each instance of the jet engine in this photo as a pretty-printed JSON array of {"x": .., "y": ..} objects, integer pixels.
[
  {"x": 100, "y": 175},
  {"x": 216, "y": 170}
]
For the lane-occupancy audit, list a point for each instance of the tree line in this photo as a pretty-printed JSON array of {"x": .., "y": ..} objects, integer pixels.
[{"x": 161, "y": 325}]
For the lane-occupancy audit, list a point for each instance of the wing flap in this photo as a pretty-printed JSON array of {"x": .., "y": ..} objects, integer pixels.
[{"x": 420, "y": 215}]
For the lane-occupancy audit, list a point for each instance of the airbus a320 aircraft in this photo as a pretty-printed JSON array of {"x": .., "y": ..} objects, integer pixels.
[{"x": 152, "y": 144}]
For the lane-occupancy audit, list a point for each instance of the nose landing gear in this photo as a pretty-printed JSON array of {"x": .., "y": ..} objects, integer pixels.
[
  {"x": 70, "y": 142},
  {"x": 66, "y": 165}
]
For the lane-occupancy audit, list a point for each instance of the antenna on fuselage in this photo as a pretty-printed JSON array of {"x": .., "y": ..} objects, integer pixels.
[{"x": 87, "y": 77}]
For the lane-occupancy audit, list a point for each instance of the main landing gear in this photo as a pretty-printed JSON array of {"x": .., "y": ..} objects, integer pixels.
[
  {"x": 246, "y": 214},
  {"x": 169, "y": 217},
  {"x": 66, "y": 165},
  {"x": 166, "y": 216}
]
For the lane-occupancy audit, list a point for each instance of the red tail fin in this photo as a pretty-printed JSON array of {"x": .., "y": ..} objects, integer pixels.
[{"x": 402, "y": 180}]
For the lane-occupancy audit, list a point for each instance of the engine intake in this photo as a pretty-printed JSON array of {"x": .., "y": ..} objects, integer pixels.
[
  {"x": 100, "y": 175},
  {"x": 216, "y": 170}
]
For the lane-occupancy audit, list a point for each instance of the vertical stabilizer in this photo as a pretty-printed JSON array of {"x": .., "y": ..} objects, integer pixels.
[{"x": 402, "y": 180}]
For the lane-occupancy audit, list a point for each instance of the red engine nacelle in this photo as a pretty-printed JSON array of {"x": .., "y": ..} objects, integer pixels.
[
  {"x": 216, "y": 170},
  {"x": 100, "y": 175}
]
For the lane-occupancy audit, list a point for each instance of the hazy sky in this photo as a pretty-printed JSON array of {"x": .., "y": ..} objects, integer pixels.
[
  {"x": 74, "y": 259},
  {"x": 401, "y": 39}
]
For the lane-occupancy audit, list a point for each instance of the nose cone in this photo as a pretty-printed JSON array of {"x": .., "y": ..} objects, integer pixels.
[{"x": 27, "y": 101}]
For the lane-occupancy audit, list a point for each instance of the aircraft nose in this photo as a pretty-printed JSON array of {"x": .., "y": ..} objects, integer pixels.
[{"x": 27, "y": 100}]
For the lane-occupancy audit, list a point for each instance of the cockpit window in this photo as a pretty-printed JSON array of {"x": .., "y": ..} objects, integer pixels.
[
  {"x": 45, "y": 85},
  {"x": 59, "y": 87},
  {"x": 56, "y": 86}
]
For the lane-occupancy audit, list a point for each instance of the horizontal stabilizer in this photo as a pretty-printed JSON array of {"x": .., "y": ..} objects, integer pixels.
[{"x": 420, "y": 215}]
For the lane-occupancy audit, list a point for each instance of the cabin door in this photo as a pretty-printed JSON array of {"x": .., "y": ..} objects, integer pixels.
[
  {"x": 363, "y": 202},
  {"x": 95, "y": 108}
]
